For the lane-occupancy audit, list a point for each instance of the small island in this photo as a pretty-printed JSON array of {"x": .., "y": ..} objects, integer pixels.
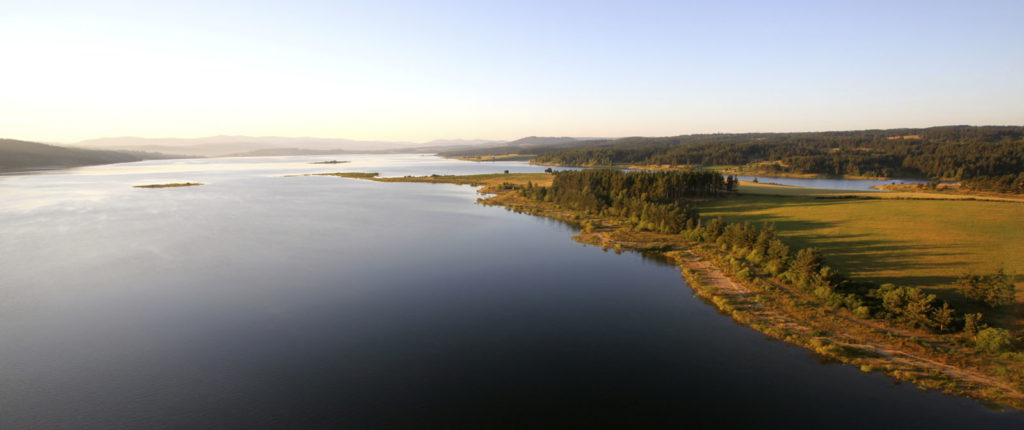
[
  {"x": 357, "y": 175},
  {"x": 171, "y": 185},
  {"x": 330, "y": 162}
]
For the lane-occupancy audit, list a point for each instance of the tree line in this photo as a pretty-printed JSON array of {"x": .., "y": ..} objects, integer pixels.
[
  {"x": 654, "y": 201},
  {"x": 985, "y": 158},
  {"x": 750, "y": 247}
]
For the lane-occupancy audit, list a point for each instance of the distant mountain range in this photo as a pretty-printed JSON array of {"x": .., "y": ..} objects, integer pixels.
[
  {"x": 219, "y": 146},
  {"x": 18, "y": 155}
]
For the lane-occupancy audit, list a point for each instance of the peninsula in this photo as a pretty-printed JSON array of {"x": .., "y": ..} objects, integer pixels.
[{"x": 937, "y": 336}]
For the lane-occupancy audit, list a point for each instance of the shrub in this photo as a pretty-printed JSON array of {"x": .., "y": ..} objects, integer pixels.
[
  {"x": 992, "y": 290},
  {"x": 993, "y": 340},
  {"x": 804, "y": 267},
  {"x": 754, "y": 257},
  {"x": 862, "y": 312},
  {"x": 743, "y": 275},
  {"x": 775, "y": 267},
  {"x": 908, "y": 304}
]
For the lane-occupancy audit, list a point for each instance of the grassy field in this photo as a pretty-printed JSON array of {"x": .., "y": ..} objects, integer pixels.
[{"x": 916, "y": 242}]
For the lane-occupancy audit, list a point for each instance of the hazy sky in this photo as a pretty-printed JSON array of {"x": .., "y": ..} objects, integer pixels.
[{"x": 421, "y": 70}]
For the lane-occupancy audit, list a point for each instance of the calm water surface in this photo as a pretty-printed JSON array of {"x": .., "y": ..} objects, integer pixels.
[
  {"x": 830, "y": 184},
  {"x": 262, "y": 301}
]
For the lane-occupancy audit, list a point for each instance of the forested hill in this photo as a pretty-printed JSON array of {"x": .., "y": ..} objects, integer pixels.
[
  {"x": 16, "y": 155},
  {"x": 991, "y": 155}
]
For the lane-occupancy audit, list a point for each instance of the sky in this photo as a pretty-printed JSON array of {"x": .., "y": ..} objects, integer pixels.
[{"x": 423, "y": 70}]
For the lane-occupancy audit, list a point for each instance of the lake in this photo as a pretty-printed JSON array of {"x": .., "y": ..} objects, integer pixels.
[
  {"x": 264, "y": 301},
  {"x": 830, "y": 184}
]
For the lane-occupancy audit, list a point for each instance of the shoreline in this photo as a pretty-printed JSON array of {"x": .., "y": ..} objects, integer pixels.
[
  {"x": 735, "y": 172},
  {"x": 780, "y": 311},
  {"x": 872, "y": 345}
]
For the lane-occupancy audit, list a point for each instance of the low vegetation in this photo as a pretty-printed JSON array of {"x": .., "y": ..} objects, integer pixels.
[
  {"x": 993, "y": 290},
  {"x": 171, "y": 185},
  {"x": 357, "y": 175}
]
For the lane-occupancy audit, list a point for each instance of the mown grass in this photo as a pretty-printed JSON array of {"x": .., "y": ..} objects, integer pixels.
[{"x": 923, "y": 243}]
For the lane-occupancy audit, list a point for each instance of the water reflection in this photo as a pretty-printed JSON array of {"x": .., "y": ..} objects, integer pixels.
[
  {"x": 830, "y": 184},
  {"x": 265, "y": 302}
]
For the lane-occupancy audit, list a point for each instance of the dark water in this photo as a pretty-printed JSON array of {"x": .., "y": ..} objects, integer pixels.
[{"x": 257, "y": 301}]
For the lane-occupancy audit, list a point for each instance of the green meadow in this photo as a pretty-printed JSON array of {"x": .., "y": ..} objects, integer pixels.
[{"x": 926, "y": 243}]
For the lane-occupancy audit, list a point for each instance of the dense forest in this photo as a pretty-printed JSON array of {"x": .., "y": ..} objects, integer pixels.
[
  {"x": 655, "y": 201},
  {"x": 990, "y": 158}
]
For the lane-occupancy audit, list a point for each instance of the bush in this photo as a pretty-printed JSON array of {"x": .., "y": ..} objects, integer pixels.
[
  {"x": 775, "y": 267},
  {"x": 993, "y": 340},
  {"x": 743, "y": 275},
  {"x": 862, "y": 312},
  {"x": 908, "y": 304},
  {"x": 805, "y": 267},
  {"x": 754, "y": 257},
  {"x": 992, "y": 290}
]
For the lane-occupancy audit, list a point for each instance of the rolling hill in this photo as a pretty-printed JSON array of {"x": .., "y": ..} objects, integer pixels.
[{"x": 18, "y": 155}]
